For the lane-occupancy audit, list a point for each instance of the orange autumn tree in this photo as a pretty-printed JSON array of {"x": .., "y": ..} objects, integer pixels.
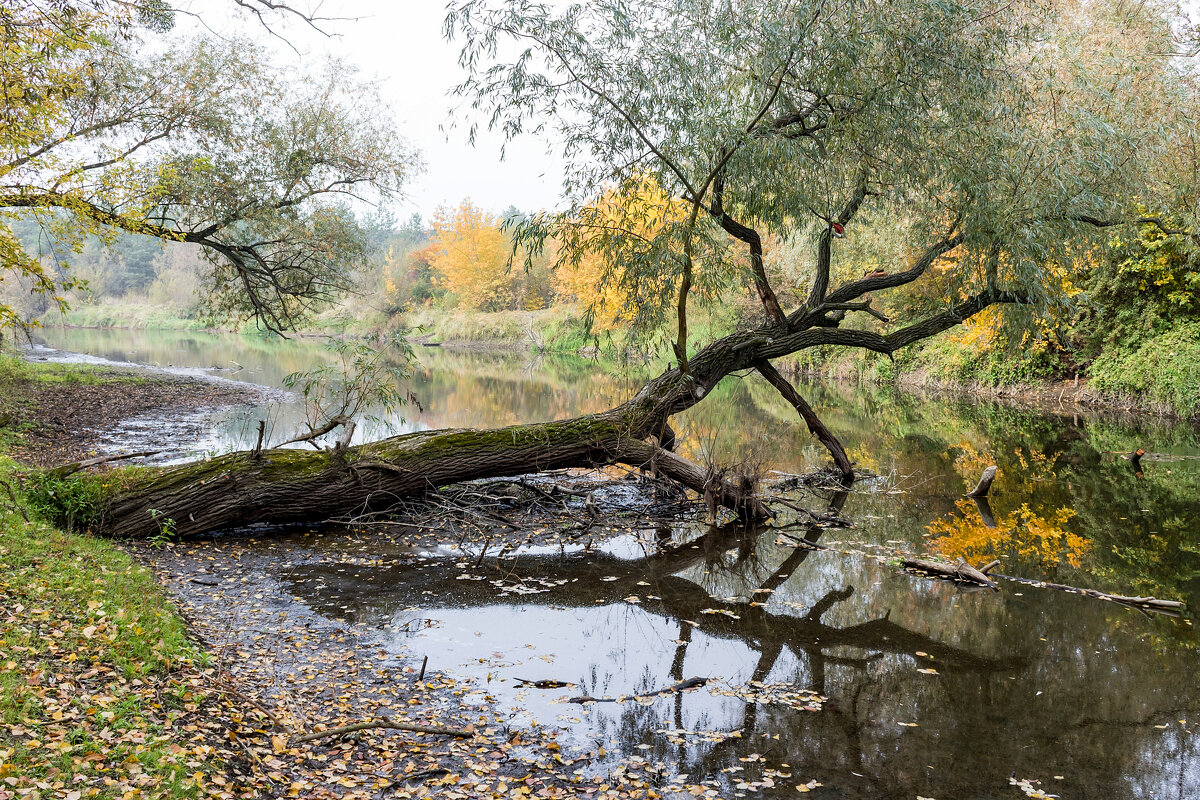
[{"x": 470, "y": 255}]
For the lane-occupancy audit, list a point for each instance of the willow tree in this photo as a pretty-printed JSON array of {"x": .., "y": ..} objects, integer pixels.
[
  {"x": 987, "y": 134},
  {"x": 113, "y": 123}
]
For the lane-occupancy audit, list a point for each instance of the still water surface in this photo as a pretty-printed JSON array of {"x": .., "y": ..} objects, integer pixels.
[{"x": 928, "y": 690}]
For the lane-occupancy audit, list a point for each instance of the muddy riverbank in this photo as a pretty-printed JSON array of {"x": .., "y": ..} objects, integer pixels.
[{"x": 75, "y": 413}]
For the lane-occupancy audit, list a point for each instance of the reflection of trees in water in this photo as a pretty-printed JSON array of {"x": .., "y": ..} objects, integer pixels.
[
  {"x": 978, "y": 719},
  {"x": 1073, "y": 513}
]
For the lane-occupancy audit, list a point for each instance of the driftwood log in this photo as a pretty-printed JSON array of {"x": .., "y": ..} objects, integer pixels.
[{"x": 960, "y": 571}]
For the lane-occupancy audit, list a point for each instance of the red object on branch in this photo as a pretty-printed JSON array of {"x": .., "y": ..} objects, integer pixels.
[{"x": 838, "y": 230}]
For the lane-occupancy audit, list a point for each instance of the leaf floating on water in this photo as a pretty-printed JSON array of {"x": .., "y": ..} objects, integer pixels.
[
  {"x": 610, "y": 578},
  {"x": 677, "y": 735},
  {"x": 724, "y": 611},
  {"x": 1030, "y": 789},
  {"x": 633, "y": 598},
  {"x": 783, "y": 694},
  {"x": 928, "y": 671},
  {"x": 808, "y": 787}
]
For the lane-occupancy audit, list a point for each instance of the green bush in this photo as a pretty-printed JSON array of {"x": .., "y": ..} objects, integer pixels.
[{"x": 1164, "y": 369}]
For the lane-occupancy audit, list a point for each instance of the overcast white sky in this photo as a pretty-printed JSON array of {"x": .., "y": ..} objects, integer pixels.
[{"x": 400, "y": 43}]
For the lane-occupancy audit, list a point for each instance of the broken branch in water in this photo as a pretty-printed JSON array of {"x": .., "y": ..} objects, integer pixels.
[
  {"x": 985, "y": 483},
  {"x": 960, "y": 571},
  {"x": 1172, "y": 607},
  {"x": 384, "y": 722},
  {"x": 690, "y": 683},
  {"x": 965, "y": 573},
  {"x": 545, "y": 684}
]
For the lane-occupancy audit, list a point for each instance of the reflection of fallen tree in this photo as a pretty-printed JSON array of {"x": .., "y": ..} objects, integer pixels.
[
  {"x": 605, "y": 579},
  {"x": 769, "y": 632}
]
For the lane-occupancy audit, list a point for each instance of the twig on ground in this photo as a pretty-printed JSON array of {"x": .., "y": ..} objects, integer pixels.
[
  {"x": 384, "y": 722},
  {"x": 72, "y": 468}
]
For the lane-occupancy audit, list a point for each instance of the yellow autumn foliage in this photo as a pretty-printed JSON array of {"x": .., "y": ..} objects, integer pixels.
[
  {"x": 470, "y": 257},
  {"x": 597, "y": 280}
]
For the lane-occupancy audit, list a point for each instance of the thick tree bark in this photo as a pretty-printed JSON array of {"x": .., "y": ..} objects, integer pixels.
[{"x": 290, "y": 486}]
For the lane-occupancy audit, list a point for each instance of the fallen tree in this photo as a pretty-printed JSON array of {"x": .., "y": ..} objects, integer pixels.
[
  {"x": 288, "y": 485},
  {"x": 712, "y": 129}
]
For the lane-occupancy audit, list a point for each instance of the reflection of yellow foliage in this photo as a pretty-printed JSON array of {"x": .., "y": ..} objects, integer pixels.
[
  {"x": 864, "y": 457},
  {"x": 1021, "y": 534},
  {"x": 1030, "y": 535},
  {"x": 969, "y": 462},
  {"x": 639, "y": 212}
]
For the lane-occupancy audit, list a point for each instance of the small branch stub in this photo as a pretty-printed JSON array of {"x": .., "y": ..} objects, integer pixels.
[{"x": 985, "y": 483}]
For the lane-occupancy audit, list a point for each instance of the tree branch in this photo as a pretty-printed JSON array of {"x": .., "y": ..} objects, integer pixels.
[
  {"x": 750, "y": 236},
  {"x": 1100, "y": 223},
  {"x": 825, "y": 244},
  {"x": 803, "y": 317},
  {"x": 815, "y": 426}
]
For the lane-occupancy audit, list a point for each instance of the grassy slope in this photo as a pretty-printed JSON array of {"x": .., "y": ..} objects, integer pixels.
[{"x": 98, "y": 679}]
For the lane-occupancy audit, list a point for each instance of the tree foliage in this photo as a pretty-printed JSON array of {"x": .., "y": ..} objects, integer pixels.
[
  {"x": 470, "y": 255},
  {"x": 628, "y": 224},
  {"x": 196, "y": 140},
  {"x": 360, "y": 382},
  {"x": 1003, "y": 135}
]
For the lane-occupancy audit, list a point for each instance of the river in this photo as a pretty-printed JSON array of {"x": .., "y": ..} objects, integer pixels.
[{"x": 826, "y": 666}]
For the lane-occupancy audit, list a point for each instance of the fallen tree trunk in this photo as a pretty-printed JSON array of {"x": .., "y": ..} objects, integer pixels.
[
  {"x": 280, "y": 486},
  {"x": 960, "y": 571}
]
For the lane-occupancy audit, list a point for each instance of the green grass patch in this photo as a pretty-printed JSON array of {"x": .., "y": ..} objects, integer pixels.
[
  {"x": 14, "y": 369},
  {"x": 97, "y": 674}
]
